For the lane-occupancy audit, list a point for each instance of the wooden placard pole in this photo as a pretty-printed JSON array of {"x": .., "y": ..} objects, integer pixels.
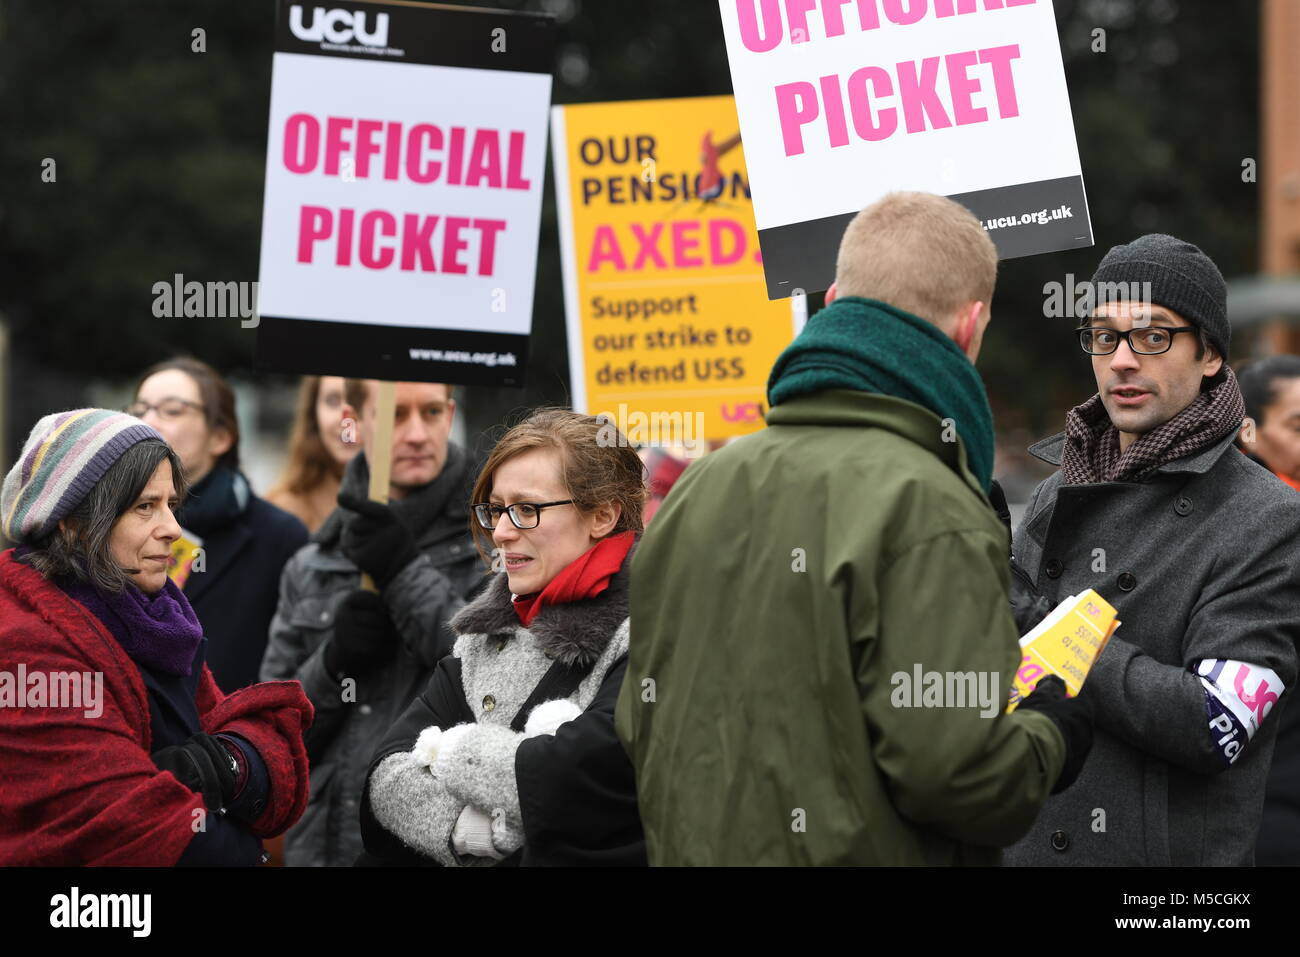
[{"x": 381, "y": 460}]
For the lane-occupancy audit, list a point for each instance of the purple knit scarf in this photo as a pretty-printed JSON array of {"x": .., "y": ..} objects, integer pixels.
[{"x": 159, "y": 631}]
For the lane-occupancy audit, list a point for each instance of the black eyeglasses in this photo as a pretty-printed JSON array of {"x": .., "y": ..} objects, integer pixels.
[
  {"x": 1150, "y": 341},
  {"x": 522, "y": 514},
  {"x": 170, "y": 408}
]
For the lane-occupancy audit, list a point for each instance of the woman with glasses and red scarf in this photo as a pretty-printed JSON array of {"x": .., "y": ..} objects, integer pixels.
[{"x": 510, "y": 754}]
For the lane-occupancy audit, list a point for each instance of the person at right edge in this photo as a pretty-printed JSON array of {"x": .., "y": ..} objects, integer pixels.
[
  {"x": 1270, "y": 388},
  {"x": 794, "y": 581},
  {"x": 1195, "y": 546}
]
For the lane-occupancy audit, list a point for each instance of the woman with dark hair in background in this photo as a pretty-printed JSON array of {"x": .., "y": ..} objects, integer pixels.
[
  {"x": 319, "y": 447},
  {"x": 234, "y": 544},
  {"x": 117, "y": 743},
  {"x": 1271, "y": 436},
  {"x": 1271, "y": 390}
]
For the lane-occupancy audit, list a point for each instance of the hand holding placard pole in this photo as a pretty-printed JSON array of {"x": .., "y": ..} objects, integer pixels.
[{"x": 381, "y": 462}]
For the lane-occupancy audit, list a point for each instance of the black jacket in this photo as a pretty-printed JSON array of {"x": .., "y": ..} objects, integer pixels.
[
  {"x": 420, "y": 600},
  {"x": 577, "y": 792},
  {"x": 235, "y": 595},
  {"x": 1279, "y": 829}
]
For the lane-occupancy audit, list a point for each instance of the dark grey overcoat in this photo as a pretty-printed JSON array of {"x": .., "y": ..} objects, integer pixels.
[{"x": 1202, "y": 561}]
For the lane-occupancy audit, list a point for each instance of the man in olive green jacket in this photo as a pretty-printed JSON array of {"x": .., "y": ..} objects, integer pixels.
[{"x": 821, "y": 645}]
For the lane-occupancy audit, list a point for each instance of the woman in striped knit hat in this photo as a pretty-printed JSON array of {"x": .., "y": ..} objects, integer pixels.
[{"x": 117, "y": 742}]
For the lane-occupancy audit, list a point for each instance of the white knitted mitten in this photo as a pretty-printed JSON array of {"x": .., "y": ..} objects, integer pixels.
[{"x": 547, "y": 717}]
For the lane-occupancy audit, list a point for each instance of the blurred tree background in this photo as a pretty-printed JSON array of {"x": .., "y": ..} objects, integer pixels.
[{"x": 160, "y": 154}]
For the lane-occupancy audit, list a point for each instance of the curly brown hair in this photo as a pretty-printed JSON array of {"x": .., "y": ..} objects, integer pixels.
[{"x": 598, "y": 466}]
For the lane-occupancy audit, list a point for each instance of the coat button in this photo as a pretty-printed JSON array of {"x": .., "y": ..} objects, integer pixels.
[
  {"x": 1126, "y": 581},
  {"x": 324, "y": 616},
  {"x": 1054, "y": 568},
  {"x": 1183, "y": 505},
  {"x": 489, "y": 702},
  {"x": 1060, "y": 840},
  {"x": 365, "y": 709}
]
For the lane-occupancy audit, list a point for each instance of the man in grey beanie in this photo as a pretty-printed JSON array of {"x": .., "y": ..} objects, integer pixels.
[{"x": 1195, "y": 546}]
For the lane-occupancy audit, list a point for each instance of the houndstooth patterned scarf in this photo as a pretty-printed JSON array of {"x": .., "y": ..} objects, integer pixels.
[{"x": 1092, "y": 443}]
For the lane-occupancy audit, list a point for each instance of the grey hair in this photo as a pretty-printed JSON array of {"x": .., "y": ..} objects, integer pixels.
[{"x": 79, "y": 548}]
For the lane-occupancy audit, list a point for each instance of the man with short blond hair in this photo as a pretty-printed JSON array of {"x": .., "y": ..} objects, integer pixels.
[
  {"x": 884, "y": 245},
  {"x": 799, "y": 586},
  {"x": 362, "y": 656}
]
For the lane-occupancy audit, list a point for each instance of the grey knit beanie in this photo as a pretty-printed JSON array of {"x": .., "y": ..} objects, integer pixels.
[
  {"x": 1182, "y": 278},
  {"x": 63, "y": 457}
]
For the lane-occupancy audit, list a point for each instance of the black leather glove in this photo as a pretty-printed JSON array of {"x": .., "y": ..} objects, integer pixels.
[
  {"x": 1072, "y": 716},
  {"x": 998, "y": 499},
  {"x": 1028, "y": 607},
  {"x": 204, "y": 766},
  {"x": 364, "y": 636},
  {"x": 376, "y": 539}
]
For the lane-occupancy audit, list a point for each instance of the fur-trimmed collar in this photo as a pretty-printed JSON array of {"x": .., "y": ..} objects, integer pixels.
[{"x": 574, "y": 633}]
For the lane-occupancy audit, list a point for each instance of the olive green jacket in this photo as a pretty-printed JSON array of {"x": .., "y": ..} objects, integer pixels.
[{"x": 783, "y": 600}]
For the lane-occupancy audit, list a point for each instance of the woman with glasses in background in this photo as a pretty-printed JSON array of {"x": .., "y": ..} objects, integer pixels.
[
  {"x": 233, "y": 544},
  {"x": 510, "y": 755}
]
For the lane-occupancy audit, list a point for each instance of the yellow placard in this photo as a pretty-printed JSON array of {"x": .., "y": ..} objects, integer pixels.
[
  {"x": 1066, "y": 644},
  {"x": 670, "y": 328},
  {"x": 186, "y": 553}
]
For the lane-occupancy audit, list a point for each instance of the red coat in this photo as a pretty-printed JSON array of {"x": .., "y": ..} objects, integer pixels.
[{"x": 80, "y": 790}]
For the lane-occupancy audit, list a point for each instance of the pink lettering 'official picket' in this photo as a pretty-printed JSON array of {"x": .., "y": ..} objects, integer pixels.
[
  {"x": 419, "y": 251},
  {"x": 421, "y": 150},
  {"x": 795, "y": 27},
  {"x": 879, "y": 101},
  {"x": 923, "y": 106},
  {"x": 426, "y": 154}
]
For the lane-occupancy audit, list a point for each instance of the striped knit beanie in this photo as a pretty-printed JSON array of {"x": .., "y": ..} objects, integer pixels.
[{"x": 63, "y": 458}]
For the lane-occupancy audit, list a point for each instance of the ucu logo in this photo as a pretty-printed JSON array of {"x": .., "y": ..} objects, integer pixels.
[
  {"x": 743, "y": 412},
  {"x": 1260, "y": 701},
  {"x": 338, "y": 26}
]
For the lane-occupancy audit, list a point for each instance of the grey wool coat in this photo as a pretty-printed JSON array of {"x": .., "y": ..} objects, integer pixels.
[
  {"x": 1202, "y": 562},
  {"x": 561, "y": 798}
]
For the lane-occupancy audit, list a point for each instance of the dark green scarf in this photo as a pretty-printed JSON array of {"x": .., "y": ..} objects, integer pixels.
[{"x": 870, "y": 346}]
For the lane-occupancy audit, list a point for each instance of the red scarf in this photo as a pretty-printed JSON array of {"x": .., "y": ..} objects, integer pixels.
[{"x": 585, "y": 577}]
